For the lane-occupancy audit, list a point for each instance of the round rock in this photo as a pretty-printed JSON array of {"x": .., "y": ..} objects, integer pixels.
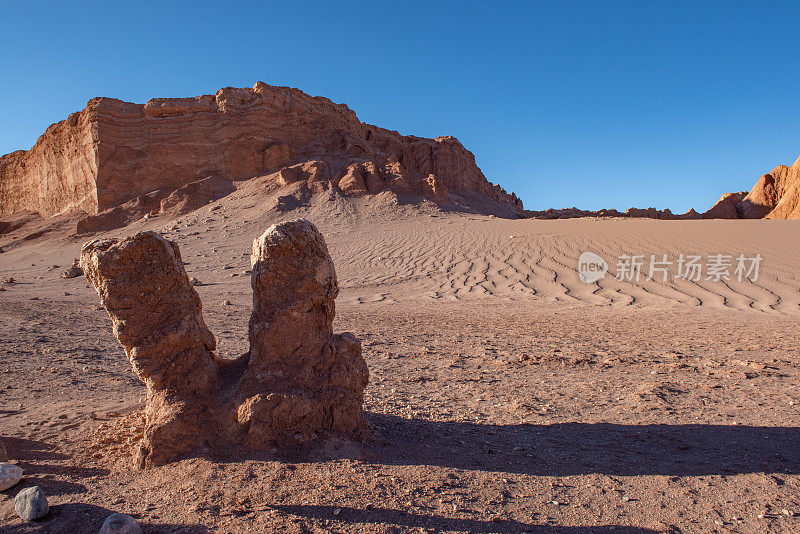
[
  {"x": 31, "y": 504},
  {"x": 10, "y": 474},
  {"x": 120, "y": 524}
]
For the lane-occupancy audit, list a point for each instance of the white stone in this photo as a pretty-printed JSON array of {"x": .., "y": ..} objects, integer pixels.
[{"x": 10, "y": 474}]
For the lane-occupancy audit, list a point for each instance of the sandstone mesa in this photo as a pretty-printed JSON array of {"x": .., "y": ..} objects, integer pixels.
[
  {"x": 115, "y": 162},
  {"x": 164, "y": 153},
  {"x": 298, "y": 383}
]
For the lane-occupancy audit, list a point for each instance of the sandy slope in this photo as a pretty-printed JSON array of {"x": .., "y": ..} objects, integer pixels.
[{"x": 505, "y": 394}]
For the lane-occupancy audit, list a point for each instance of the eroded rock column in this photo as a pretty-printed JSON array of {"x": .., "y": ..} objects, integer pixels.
[
  {"x": 302, "y": 381},
  {"x": 156, "y": 316}
]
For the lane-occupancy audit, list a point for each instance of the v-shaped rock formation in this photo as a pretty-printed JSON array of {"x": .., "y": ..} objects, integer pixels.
[{"x": 298, "y": 383}]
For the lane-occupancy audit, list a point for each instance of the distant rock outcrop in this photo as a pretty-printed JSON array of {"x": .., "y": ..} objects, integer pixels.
[
  {"x": 298, "y": 383},
  {"x": 631, "y": 213},
  {"x": 113, "y": 153},
  {"x": 776, "y": 195},
  {"x": 726, "y": 206}
]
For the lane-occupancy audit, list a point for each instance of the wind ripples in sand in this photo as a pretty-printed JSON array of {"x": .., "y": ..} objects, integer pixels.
[{"x": 457, "y": 258}]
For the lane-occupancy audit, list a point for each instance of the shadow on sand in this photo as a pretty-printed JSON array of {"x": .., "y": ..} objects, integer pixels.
[
  {"x": 79, "y": 518},
  {"x": 404, "y": 520},
  {"x": 541, "y": 450},
  {"x": 581, "y": 448},
  {"x": 36, "y": 459}
]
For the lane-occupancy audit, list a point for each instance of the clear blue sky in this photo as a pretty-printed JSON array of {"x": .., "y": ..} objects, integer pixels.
[{"x": 592, "y": 104}]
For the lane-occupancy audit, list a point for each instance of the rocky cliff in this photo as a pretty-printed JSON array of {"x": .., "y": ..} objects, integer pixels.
[
  {"x": 113, "y": 152},
  {"x": 58, "y": 174},
  {"x": 726, "y": 206},
  {"x": 776, "y": 195}
]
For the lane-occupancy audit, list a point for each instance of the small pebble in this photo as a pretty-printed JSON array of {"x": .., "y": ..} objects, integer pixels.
[
  {"x": 120, "y": 524},
  {"x": 31, "y": 504}
]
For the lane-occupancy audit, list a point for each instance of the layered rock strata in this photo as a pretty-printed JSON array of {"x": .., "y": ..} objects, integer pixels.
[{"x": 115, "y": 151}]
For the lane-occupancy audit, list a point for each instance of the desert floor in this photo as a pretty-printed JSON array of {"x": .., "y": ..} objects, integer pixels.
[{"x": 505, "y": 395}]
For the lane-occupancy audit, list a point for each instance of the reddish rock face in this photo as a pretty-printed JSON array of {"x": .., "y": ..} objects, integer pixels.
[
  {"x": 299, "y": 382},
  {"x": 114, "y": 151},
  {"x": 776, "y": 195},
  {"x": 726, "y": 206},
  {"x": 59, "y": 174}
]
